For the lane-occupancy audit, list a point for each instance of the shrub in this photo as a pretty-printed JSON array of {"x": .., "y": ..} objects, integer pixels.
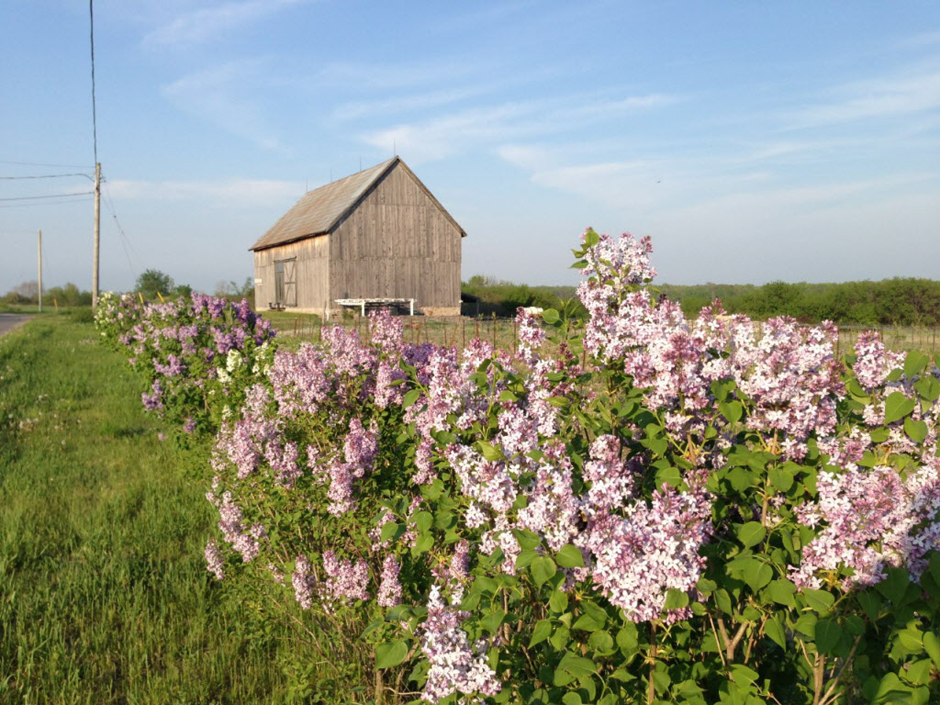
[{"x": 697, "y": 514}]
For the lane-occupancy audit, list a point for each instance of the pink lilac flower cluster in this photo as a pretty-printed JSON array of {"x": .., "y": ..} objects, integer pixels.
[
  {"x": 242, "y": 442},
  {"x": 530, "y": 334},
  {"x": 389, "y": 587},
  {"x": 186, "y": 347},
  {"x": 870, "y": 519},
  {"x": 874, "y": 362},
  {"x": 215, "y": 564},
  {"x": 650, "y": 549},
  {"x": 359, "y": 450},
  {"x": 303, "y": 582},
  {"x": 790, "y": 377},
  {"x": 232, "y": 525},
  {"x": 345, "y": 578},
  {"x": 456, "y": 667}
]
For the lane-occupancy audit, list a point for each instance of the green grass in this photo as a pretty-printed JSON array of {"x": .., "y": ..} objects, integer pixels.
[{"x": 104, "y": 596}]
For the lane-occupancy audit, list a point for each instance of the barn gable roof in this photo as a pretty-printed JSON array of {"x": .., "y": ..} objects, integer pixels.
[{"x": 319, "y": 211}]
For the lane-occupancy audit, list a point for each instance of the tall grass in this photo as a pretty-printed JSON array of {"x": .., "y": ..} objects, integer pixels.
[{"x": 104, "y": 595}]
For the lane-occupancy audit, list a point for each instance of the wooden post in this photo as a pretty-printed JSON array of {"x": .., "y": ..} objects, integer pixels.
[
  {"x": 40, "y": 271},
  {"x": 94, "y": 272}
]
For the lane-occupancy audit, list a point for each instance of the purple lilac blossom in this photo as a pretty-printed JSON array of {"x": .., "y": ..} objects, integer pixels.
[
  {"x": 214, "y": 562},
  {"x": 345, "y": 579},
  {"x": 303, "y": 582},
  {"x": 389, "y": 587}
]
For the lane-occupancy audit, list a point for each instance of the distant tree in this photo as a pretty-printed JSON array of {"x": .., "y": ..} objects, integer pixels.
[
  {"x": 153, "y": 282},
  {"x": 184, "y": 290},
  {"x": 69, "y": 295},
  {"x": 27, "y": 290},
  {"x": 232, "y": 290}
]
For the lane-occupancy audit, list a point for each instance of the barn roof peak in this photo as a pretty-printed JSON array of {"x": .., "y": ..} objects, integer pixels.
[{"x": 319, "y": 211}]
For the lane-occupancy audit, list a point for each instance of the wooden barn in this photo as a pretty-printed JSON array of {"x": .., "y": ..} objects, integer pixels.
[{"x": 378, "y": 234}]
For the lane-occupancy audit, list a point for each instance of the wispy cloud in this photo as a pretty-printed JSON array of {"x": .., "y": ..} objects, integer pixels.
[
  {"x": 209, "y": 23},
  {"x": 396, "y": 76},
  {"x": 224, "y": 96},
  {"x": 723, "y": 182},
  {"x": 233, "y": 192},
  {"x": 486, "y": 16},
  {"x": 405, "y": 103},
  {"x": 884, "y": 97},
  {"x": 489, "y": 127},
  {"x": 924, "y": 39}
]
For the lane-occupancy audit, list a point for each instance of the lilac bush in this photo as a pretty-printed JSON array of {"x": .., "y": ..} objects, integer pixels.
[
  {"x": 197, "y": 354},
  {"x": 656, "y": 510}
]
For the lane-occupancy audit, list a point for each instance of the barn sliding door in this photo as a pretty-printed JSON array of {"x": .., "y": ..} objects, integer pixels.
[{"x": 285, "y": 282}]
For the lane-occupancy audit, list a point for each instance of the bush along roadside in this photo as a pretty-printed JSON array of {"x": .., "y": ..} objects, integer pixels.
[
  {"x": 661, "y": 511},
  {"x": 198, "y": 354}
]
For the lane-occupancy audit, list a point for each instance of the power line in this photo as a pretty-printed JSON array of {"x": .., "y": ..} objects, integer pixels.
[
  {"x": 94, "y": 110},
  {"x": 58, "y": 166},
  {"x": 124, "y": 239},
  {"x": 61, "y": 201},
  {"x": 47, "y": 176},
  {"x": 53, "y": 195}
]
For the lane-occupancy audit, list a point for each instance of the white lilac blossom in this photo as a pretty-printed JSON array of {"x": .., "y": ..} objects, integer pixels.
[
  {"x": 455, "y": 666},
  {"x": 790, "y": 376},
  {"x": 530, "y": 334},
  {"x": 650, "y": 549},
  {"x": 552, "y": 509}
]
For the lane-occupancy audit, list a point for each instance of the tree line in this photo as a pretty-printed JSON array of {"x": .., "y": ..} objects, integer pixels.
[
  {"x": 151, "y": 285},
  {"x": 898, "y": 301}
]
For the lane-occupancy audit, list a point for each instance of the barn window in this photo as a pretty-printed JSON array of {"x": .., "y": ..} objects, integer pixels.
[{"x": 285, "y": 282}]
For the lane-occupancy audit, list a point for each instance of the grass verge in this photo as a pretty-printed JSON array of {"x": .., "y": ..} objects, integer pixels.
[{"x": 104, "y": 595}]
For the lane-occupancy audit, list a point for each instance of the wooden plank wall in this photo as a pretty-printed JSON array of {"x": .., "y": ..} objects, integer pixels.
[
  {"x": 311, "y": 274},
  {"x": 397, "y": 244}
]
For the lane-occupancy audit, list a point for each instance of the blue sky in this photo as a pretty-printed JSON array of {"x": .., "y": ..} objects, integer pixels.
[{"x": 753, "y": 141}]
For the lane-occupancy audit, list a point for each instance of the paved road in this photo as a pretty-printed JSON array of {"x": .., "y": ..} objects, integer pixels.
[{"x": 9, "y": 321}]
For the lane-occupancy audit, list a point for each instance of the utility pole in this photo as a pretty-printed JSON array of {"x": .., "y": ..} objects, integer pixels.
[
  {"x": 94, "y": 275},
  {"x": 40, "y": 271}
]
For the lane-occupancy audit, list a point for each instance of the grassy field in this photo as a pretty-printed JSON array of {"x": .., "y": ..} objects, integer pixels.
[{"x": 104, "y": 595}]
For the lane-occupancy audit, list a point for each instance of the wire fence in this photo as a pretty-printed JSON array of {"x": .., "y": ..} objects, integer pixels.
[
  {"x": 456, "y": 331},
  {"x": 503, "y": 332}
]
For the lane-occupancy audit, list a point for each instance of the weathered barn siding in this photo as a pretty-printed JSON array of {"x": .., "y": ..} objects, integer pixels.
[
  {"x": 398, "y": 243},
  {"x": 311, "y": 273},
  {"x": 376, "y": 234}
]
